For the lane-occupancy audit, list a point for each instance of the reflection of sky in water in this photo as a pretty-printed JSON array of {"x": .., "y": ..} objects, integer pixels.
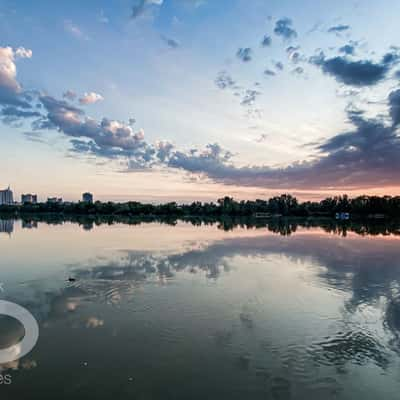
[{"x": 186, "y": 312}]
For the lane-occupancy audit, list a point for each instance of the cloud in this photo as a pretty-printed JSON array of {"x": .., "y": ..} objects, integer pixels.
[
  {"x": 250, "y": 97},
  {"x": 69, "y": 95},
  {"x": 347, "y": 49},
  {"x": 224, "y": 80},
  {"x": 283, "y": 28},
  {"x": 244, "y": 54},
  {"x": 11, "y": 92},
  {"x": 269, "y": 72},
  {"x": 141, "y": 6},
  {"x": 364, "y": 157},
  {"x": 12, "y": 111},
  {"x": 294, "y": 54},
  {"x": 105, "y": 138},
  {"x": 298, "y": 71},
  {"x": 356, "y": 73},
  {"x": 266, "y": 42},
  {"x": 173, "y": 44},
  {"x": 90, "y": 98},
  {"x": 12, "y": 115},
  {"x": 23, "y": 53},
  {"x": 338, "y": 28},
  {"x": 102, "y": 17},
  {"x": 394, "y": 106},
  {"x": 74, "y": 30},
  {"x": 262, "y": 138}
]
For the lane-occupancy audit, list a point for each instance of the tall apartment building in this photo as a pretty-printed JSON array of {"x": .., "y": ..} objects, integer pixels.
[{"x": 6, "y": 196}]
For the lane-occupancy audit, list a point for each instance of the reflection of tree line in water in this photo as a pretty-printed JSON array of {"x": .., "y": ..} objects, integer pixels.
[{"x": 283, "y": 225}]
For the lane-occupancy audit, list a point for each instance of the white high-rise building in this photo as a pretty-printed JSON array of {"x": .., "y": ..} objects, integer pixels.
[{"x": 6, "y": 196}]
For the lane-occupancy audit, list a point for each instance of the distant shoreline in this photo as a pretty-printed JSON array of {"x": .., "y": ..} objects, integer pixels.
[{"x": 340, "y": 207}]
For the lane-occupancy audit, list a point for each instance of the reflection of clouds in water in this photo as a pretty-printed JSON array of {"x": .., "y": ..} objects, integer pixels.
[
  {"x": 94, "y": 322},
  {"x": 356, "y": 346},
  {"x": 365, "y": 269},
  {"x": 24, "y": 364}
]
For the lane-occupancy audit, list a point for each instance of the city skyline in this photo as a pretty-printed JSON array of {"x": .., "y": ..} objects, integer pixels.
[{"x": 162, "y": 100}]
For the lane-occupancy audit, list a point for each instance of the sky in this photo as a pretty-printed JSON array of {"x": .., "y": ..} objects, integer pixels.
[{"x": 162, "y": 100}]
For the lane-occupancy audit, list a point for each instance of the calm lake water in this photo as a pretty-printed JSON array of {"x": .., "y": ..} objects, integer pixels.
[{"x": 185, "y": 312}]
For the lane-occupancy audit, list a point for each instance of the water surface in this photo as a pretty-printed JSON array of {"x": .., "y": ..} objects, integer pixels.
[{"x": 185, "y": 312}]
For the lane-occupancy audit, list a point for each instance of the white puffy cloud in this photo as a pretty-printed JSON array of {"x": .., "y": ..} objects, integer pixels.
[
  {"x": 23, "y": 52},
  {"x": 10, "y": 89},
  {"x": 90, "y": 98}
]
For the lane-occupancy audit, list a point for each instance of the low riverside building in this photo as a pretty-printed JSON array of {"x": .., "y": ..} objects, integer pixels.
[
  {"x": 28, "y": 198},
  {"x": 54, "y": 200},
  {"x": 87, "y": 197}
]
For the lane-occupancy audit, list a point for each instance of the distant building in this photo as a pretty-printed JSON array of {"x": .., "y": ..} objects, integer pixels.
[
  {"x": 6, "y": 196},
  {"x": 28, "y": 198},
  {"x": 87, "y": 197},
  {"x": 54, "y": 200}
]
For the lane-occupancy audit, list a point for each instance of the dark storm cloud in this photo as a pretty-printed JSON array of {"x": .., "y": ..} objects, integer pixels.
[
  {"x": 356, "y": 73},
  {"x": 283, "y": 28},
  {"x": 338, "y": 28},
  {"x": 245, "y": 54},
  {"x": 266, "y": 42}
]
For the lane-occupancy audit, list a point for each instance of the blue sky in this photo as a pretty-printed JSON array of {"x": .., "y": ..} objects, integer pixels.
[{"x": 194, "y": 99}]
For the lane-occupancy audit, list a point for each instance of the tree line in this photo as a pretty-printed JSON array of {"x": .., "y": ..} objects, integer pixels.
[{"x": 283, "y": 205}]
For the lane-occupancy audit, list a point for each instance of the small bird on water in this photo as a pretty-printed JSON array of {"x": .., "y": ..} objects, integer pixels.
[{"x": 71, "y": 279}]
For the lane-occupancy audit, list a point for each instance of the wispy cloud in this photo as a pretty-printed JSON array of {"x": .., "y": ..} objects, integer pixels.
[
  {"x": 74, "y": 30},
  {"x": 338, "y": 28}
]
